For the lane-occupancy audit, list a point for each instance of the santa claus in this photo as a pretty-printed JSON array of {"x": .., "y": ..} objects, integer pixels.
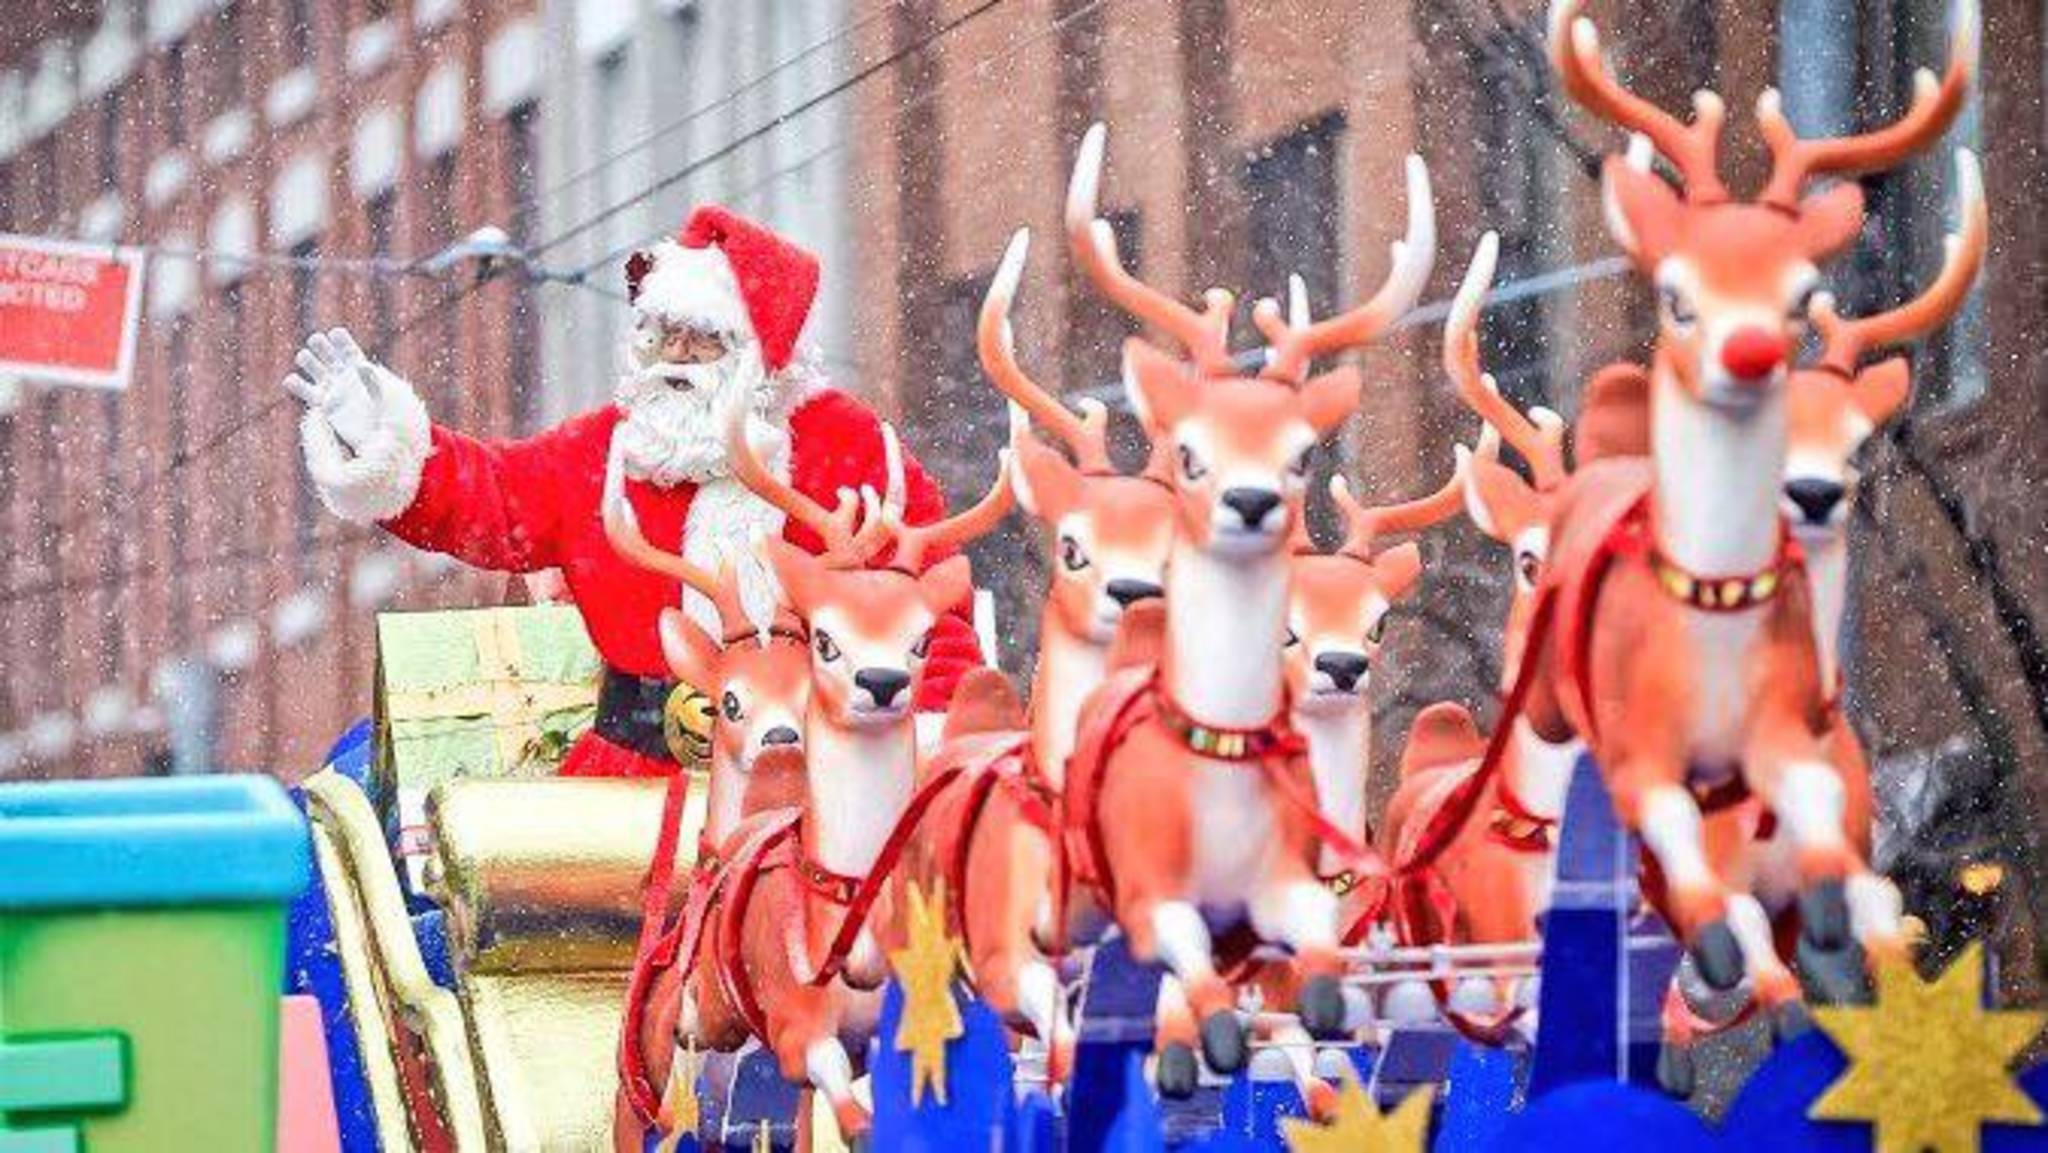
[{"x": 716, "y": 318}]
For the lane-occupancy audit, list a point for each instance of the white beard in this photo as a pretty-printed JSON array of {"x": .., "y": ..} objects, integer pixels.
[{"x": 672, "y": 435}]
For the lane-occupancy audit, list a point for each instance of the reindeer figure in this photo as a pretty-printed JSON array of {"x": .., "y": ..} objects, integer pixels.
[
  {"x": 1488, "y": 856},
  {"x": 756, "y": 667},
  {"x": 1188, "y": 796},
  {"x": 791, "y": 958},
  {"x": 1683, "y": 651},
  {"x": 1836, "y": 404},
  {"x": 1337, "y": 613},
  {"x": 994, "y": 838}
]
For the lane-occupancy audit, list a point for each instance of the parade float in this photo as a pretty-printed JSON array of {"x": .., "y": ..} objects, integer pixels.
[{"x": 746, "y": 848}]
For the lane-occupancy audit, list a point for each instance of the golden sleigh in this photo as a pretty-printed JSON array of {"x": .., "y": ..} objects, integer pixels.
[{"x": 538, "y": 882}]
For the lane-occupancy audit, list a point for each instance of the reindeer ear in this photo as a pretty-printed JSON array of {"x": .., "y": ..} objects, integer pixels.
[
  {"x": 1642, "y": 210},
  {"x": 1497, "y": 499},
  {"x": 1832, "y": 220},
  {"x": 638, "y": 266},
  {"x": 1157, "y": 385},
  {"x": 797, "y": 571},
  {"x": 1045, "y": 484},
  {"x": 1395, "y": 571},
  {"x": 692, "y": 654},
  {"x": 1330, "y": 399},
  {"x": 1614, "y": 414},
  {"x": 947, "y": 585},
  {"x": 1881, "y": 390}
]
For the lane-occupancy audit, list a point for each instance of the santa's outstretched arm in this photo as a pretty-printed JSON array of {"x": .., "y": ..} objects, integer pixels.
[{"x": 375, "y": 458}]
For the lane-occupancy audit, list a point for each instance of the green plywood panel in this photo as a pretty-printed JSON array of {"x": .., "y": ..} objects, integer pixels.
[
  {"x": 194, "y": 990},
  {"x": 40, "y": 1141},
  {"x": 62, "y": 1072}
]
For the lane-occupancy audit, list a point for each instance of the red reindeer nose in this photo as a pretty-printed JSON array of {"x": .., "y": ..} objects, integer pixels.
[{"x": 1752, "y": 354}]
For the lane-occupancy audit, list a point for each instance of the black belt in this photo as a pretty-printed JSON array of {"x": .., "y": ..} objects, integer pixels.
[{"x": 629, "y": 713}]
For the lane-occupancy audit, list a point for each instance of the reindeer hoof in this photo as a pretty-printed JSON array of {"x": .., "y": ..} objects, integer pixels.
[
  {"x": 1321, "y": 1006},
  {"x": 1790, "y": 1020},
  {"x": 1832, "y": 977},
  {"x": 1675, "y": 1070},
  {"x": 1223, "y": 1044},
  {"x": 1824, "y": 915},
  {"x": 1716, "y": 957},
  {"x": 1176, "y": 1073}
]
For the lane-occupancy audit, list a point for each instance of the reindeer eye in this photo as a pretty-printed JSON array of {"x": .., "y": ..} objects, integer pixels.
[
  {"x": 1378, "y": 631},
  {"x": 1676, "y": 308},
  {"x": 1293, "y": 639},
  {"x": 1191, "y": 466},
  {"x": 1299, "y": 466},
  {"x": 828, "y": 649},
  {"x": 1072, "y": 557},
  {"x": 922, "y": 648},
  {"x": 1802, "y": 305},
  {"x": 1528, "y": 567},
  {"x": 729, "y": 706}
]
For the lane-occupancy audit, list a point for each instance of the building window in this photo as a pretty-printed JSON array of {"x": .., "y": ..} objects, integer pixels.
[
  {"x": 110, "y": 140},
  {"x": 177, "y": 383},
  {"x": 1517, "y": 200},
  {"x": 174, "y": 92},
  {"x": 1093, "y": 352},
  {"x": 522, "y": 325},
  {"x": 962, "y": 435},
  {"x": 380, "y": 214},
  {"x": 304, "y": 312},
  {"x": 114, "y": 522},
  {"x": 298, "y": 32},
  {"x": 1292, "y": 214},
  {"x": 226, "y": 66},
  {"x": 438, "y": 215}
]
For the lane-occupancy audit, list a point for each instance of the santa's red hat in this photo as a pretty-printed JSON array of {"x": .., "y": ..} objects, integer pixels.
[{"x": 728, "y": 273}]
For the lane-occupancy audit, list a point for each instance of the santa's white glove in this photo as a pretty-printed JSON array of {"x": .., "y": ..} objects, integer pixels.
[{"x": 365, "y": 432}]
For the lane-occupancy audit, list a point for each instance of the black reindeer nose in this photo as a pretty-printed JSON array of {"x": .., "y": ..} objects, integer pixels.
[
  {"x": 781, "y": 735},
  {"x": 1127, "y": 592},
  {"x": 883, "y": 685},
  {"x": 1251, "y": 504},
  {"x": 1344, "y": 669},
  {"x": 1815, "y": 498}
]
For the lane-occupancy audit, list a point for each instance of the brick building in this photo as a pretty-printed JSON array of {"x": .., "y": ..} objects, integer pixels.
[{"x": 172, "y": 518}]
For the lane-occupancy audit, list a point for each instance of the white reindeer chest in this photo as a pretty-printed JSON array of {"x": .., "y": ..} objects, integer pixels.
[
  {"x": 1722, "y": 644},
  {"x": 1233, "y": 830}
]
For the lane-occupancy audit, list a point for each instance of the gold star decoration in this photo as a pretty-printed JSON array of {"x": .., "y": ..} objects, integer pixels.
[
  {"x": 1928, "y": 1064},
  {"x": 763, "y": 1140},
  {"x": 680, "y": 1113},
  {"x": 1360, "y": 1126},
  {"x": 925, "y": 968}
]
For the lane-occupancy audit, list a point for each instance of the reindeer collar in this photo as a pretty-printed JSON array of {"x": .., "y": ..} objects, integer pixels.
[
  {"x": 1515, "y": 826},
  {"x": 1722, "y": 593},
  {"x": 1273, "y": 739},
  {"x": 838, "y": 888}
]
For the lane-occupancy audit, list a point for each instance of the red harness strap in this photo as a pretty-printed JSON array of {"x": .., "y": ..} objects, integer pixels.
[
  {"x": 657, "y": 937},
  {"x": 996, "y": 761},
  {"x": 1136, "y": 698}
]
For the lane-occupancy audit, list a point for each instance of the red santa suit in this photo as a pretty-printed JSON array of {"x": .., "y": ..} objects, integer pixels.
[{"x": 532, "y": 504}]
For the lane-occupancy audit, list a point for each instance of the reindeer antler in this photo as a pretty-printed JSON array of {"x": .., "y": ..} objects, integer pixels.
[
  {"x": 1935, "y": 104},
  {"x": 853, "y": 530},
  {"x": 622, "y": 528},
  {"x": 1205, "y": 333},
  {"x": 915, "y": 541},
  {"x": 1843, "y": 341},
  {"x": 1539, "y": 437},
  {"x": 1366, "y": 522},
  {"x": 1085, "y": 434},
  {"x": 1693, "y": 149},
  {"x": 1295, "y": 343}
]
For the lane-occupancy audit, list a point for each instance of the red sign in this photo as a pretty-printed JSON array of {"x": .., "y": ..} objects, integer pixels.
[{"x": 68, "y": 311}]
